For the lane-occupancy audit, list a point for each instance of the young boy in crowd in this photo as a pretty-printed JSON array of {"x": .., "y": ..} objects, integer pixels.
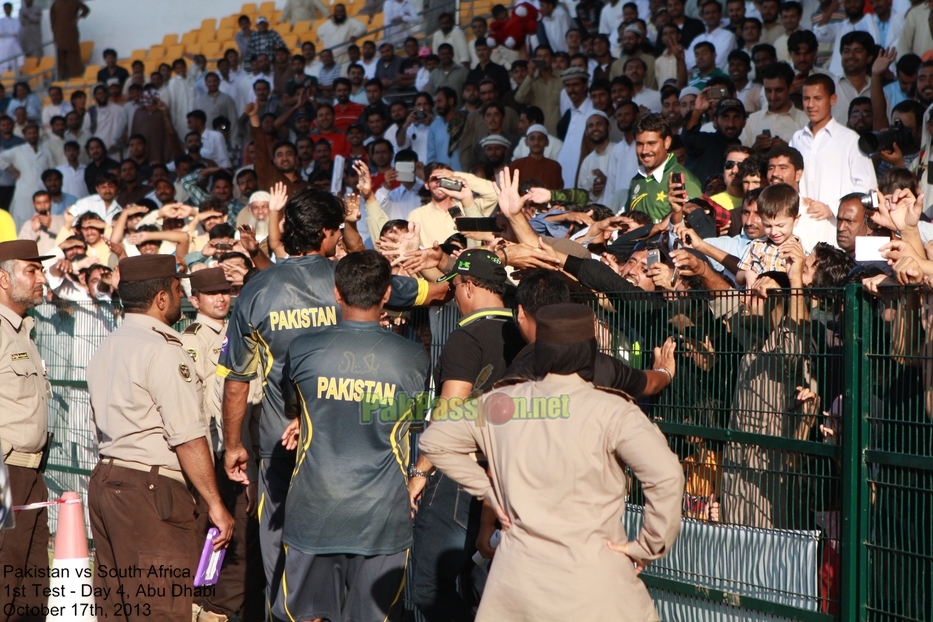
[{"x": 779, "y": 210}]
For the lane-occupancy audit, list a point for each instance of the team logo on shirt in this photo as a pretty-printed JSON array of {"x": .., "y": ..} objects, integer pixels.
[
  {"x": 184, "y": 371},
  {"x": 223, "y": 345}
]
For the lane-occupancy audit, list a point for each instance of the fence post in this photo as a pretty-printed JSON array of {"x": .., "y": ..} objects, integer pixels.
[{"x": 855, "y": 497}]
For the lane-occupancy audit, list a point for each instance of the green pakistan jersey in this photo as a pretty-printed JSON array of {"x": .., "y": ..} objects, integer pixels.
[
  {"x": 279, "y": 304},
  {"x": 648, "y": 194},
  {"x": 352, "y": 387}
]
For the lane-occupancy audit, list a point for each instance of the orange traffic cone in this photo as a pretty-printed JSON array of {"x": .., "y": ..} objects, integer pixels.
[{"x": 72, "y": 585}]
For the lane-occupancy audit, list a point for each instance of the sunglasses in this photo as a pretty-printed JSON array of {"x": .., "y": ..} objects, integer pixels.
[{"x": 731, "y": 164}]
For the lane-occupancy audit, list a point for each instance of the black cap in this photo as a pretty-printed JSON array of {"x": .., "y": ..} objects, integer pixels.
[
  {"x": 145, "y": 267},
  {"x": 478, "y": 263},
  {"x": 729, "y": 104}
]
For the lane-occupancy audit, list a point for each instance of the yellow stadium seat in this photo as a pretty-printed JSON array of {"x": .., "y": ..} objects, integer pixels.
[
  {"x": 174, "y": 52},
  {"x": 190, "y": 37},
  {"x": 139, "y": 55},
  {"x": 151, "y": 66},
  {"x": 301, "y": 28},
  {"x": 90, "y": 74},
  {"x": 267, "y": 8},
  {"x": 76, "y": 83},
  {"x": 86, "y": 48},
  {"x": 212, "y": 49},
  {"x": 228, "y": 22},
  {"x": 194, "y": 48},
  {"x": 168, "y": 40},
  {"x": 29, "y": 66},
  {"x": 290, "y": 40},
  {"x": 249, "y": 8},
  {"x": 156, "y": 52},
  {"x": 275, "y": 17},
  {"x": 209, "y": 24},
  {"x": 225, "y": 34}
]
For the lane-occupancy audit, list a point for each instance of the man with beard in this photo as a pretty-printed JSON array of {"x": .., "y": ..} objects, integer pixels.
[
  {"x": 858, "y": 54},
  {"x": 670, "y": 108},
  {"x": 771, "y": 28},
  {"x": 106, "y": 120},
  {"x": 470, "y": 96},
  {"x": 23, "y": 402},
  {"x": 338, "y": 30},
  {"x": 151, "y": 435},
  {"x": 445, "y": 131},
  {"x": 573, "y": 124},
  {"x": 623, "y": 163},
  {"x": 649, "y": 99},
  {"x": 594, "y": 168},
  {"x": 706, "y": 152},
  {"x": 631, "y": 48},
  {"x": 475, "y": 128},
  {"x": 860, "y": 115},
  {"x": 856, "y": 21}
]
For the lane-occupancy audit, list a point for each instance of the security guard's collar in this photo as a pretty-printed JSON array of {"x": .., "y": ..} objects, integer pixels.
[
  {"x": 147, "y": 321},
  {"x": 481, "y": 314},
  {"x": 11, "y": 315},
  {"x": 214, "y": 325}
]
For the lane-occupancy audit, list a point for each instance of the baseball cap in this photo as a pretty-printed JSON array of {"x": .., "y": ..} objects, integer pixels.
[
  {"x": 146, "y": 267},
  {"x": 689, "y": 90},
  {"x": 262, "y": 20},
  {"x": 478, "y": 263},
  {"x": 210, "y": 281},
  {"x": 729, "y": 104},
  {"x": 23, "y": 250}
]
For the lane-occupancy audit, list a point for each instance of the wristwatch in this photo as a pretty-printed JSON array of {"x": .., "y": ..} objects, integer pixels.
[{"x": 414, "y": 472}]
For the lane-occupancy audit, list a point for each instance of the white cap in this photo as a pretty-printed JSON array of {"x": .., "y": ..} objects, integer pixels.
[
  {"x": 259, "y": 196},
  {"x": 537, "y": 127},
  {"x": 689, "y": 90}
]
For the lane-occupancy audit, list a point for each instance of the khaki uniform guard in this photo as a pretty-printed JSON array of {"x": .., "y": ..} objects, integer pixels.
[
  {"x": 154, "y": 452},
  {"x": 24, "y": 394},
  {"x": 241, "y": 591}
]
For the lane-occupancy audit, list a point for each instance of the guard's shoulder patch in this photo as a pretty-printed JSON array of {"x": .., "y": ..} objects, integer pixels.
[
  {"x": 193, "y": 329},
  {"x": 168, "y": 338}
]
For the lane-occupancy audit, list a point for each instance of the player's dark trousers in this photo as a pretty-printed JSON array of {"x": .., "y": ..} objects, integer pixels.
[
  {"x": 240, "y": 592},
  {"x": 446, "y": 527}
]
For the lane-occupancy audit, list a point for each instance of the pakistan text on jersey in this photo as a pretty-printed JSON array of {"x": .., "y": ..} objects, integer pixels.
[{"x": 303, "y": 318}]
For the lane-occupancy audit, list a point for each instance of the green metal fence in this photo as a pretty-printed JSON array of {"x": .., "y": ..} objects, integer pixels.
[{"x": 825, "y": 507}]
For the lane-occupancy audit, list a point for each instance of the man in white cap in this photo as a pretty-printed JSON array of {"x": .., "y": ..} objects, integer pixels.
[
  {"x": 573, "y": 124},
  {"x": 593, "y": 170},
  {"x": 257, "y": 214},
  {"x": 536, "y": 165},
  {"x": 497, "y": 150},
  {"x": 630, "y": 40},
  {"x": 263, "y": 40}
]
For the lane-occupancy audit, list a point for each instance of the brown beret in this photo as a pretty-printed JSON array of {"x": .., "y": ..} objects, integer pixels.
[
  {"x": 145, "y": 267},
  {"x": 210, "y": 281},
  {"x": 565, "y": 323},
  {"x": 24, "y": 250}
]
